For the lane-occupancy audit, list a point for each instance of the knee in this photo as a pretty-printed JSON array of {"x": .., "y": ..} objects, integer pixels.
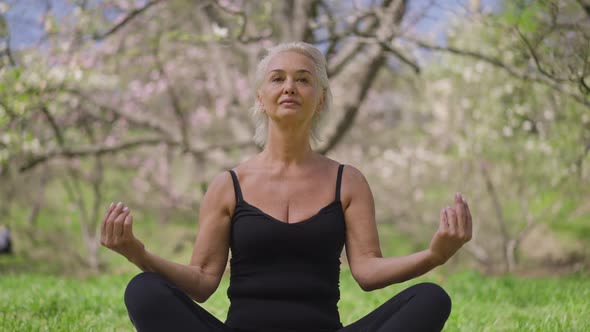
[
  {"x": 144, "y": 291},
  {"x": 436, "y": 296}
]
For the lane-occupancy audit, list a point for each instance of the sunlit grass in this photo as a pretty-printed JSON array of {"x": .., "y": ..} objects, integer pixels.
[{"x": 33, "y": 302}]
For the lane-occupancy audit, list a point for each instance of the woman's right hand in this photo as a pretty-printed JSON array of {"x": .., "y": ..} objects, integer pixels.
[{"x": 117, "y": 233}]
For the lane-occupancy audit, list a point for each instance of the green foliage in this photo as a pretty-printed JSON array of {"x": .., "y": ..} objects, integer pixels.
[
  {"x": 524, "y": 14},
  {"x": 517, "y": 134}
]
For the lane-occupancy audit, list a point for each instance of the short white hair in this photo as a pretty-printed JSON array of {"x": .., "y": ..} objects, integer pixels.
[{"x": 321, "y": 73}]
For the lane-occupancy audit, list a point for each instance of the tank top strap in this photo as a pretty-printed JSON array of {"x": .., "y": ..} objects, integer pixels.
[
  {"x": 339, "y": 182},
  {"x": 237, "y": 189}
]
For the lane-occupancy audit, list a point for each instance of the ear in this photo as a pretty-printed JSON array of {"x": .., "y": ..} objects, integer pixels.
[
  {"x": 320, "y": 107},
  {"x": 259, "y": 101}
]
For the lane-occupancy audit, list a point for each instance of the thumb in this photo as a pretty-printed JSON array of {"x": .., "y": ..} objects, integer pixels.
[
  {"x": 444, "y": 224},
  {"x": 128, "y": 226}
]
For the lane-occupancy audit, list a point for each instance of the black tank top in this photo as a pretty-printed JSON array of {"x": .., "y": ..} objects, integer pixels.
[{"x": 285, "y": 277}]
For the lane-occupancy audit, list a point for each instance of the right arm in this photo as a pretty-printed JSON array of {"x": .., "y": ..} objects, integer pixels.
[{"x": 201, "y": 277}]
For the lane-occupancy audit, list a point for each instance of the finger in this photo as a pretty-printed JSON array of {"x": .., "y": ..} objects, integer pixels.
[
  {"x": 444, "y": 224},
  {"x": 111, "y": 219},
  {"x": 128, "y": 226},
  {"x": 452, "y": 219},
  {"x": 460, "y": 211},
  {"x": 118, "y": 224},
  {"x": 106, "y": 216},
  {"x": 113, "y": 212},
  {"x": 469, "y": 223}
]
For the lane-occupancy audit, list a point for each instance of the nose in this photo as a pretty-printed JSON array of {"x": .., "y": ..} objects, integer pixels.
[{"x": 289, "y": 88}]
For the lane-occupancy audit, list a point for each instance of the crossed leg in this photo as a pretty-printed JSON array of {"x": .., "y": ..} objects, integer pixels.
[{"x": 155, "y": 304}]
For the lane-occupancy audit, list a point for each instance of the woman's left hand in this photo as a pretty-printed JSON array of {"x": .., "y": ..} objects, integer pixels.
[{"x": 454, "y": 230}]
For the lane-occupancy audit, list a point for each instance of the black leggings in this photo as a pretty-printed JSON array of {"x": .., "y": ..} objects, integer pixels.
[{"x": 155, "y": 304}]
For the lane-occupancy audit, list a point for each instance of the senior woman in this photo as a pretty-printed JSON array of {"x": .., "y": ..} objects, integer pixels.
[{"x": 286, "y": 215}]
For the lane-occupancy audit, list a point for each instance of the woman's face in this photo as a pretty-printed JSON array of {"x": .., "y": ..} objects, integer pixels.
[{"x": 290, "y": 91}]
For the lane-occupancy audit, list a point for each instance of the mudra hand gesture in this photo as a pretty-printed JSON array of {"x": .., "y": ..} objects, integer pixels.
[
  {"x": 117, "y": 232},
  {"x": 454, "y": 230}
]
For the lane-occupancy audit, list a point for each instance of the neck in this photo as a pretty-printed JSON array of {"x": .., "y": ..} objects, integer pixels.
[{"x": 285, "y": 147}]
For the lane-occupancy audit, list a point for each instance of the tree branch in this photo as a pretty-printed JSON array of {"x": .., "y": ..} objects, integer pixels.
[
  {"x": 8, "y": 51},
  {"x": 343, "y": 57},
  {"x": 375, "y": 55},
  {"x": 241, "y": 37},
  {"x": 347, "y": 52},
  {"x": 243, "y": 18},
  {"x": 132, "y": 15},
  {"x": 350, "y": 111},
  {"x": 53, "y": 124},
  {"x": 585, "y": 7},
  {"x": 388, "y": 48},
  {"x": 176, "y": 106},
  {"x": 498, "y": 63},
  {"x": 141, "y": 120},
  {"x": 97, "y": 150},
  {"x": 536, "y": 59}
]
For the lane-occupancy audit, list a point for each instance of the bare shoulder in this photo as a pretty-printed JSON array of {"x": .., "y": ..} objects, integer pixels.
[
  {"x": 353, "y": 174},
  {"x": 220, "y": 192},
  {"x": 354, "y": 184},
  {"x": 352, "y": 177},
  {"x": 249, "y": 165},
  {"x": 326, "y": 162},
  {"x": 221, "y": 184}
]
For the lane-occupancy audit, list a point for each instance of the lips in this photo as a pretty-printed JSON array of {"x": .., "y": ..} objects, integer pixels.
[{"x": 289, "y": 101}]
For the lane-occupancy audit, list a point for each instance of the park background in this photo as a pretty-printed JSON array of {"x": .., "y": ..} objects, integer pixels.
[{"x": 146, "y": 101}]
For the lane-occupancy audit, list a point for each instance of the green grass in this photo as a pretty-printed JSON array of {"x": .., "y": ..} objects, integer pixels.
[{"x": 33, "y": 302}]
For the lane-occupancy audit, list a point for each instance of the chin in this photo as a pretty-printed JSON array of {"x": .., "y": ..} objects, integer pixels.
[{"x": 289, "y": 111}]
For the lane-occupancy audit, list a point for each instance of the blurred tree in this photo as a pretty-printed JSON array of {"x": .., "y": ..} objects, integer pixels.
[
  {"x": 147, "y": 100},
  {"x": 519, "y": 143}
]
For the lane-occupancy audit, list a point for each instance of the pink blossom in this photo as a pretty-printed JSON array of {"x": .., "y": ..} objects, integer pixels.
[
  {"x": 154, "y": 75},
  {"x": 149, "y": 89},
  {"x": 122, "y": 125},
  {"x": 232, "y": 5},
  {"x": 194, "y": 52},
  {"x": 199, "y": 85},
  {"x": 243, "y": 89},
  {"x": 161, "y": 86},
  {"x": 221, "y": 105},
  {"x": 87, "y": 62},
  {"x": 200, "y": 117},
  {"x": 134, "y": 86},
  {"x": 120, "y": 18},
  {"x": 148, "y": 164},
  {"x": 129, "y": 107},
  {"x": 140, "y": 185},
  {"x": 171, "y": 67},
  {"x": 111, "y": 140},
  {"x": 212, "y": 85}
]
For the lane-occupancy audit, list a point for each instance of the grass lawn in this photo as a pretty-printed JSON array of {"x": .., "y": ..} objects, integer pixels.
[{"x": 32, "y": 302}]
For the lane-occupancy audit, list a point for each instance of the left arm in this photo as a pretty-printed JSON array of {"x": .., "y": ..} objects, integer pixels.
[{"x": 368, "y": 266}]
